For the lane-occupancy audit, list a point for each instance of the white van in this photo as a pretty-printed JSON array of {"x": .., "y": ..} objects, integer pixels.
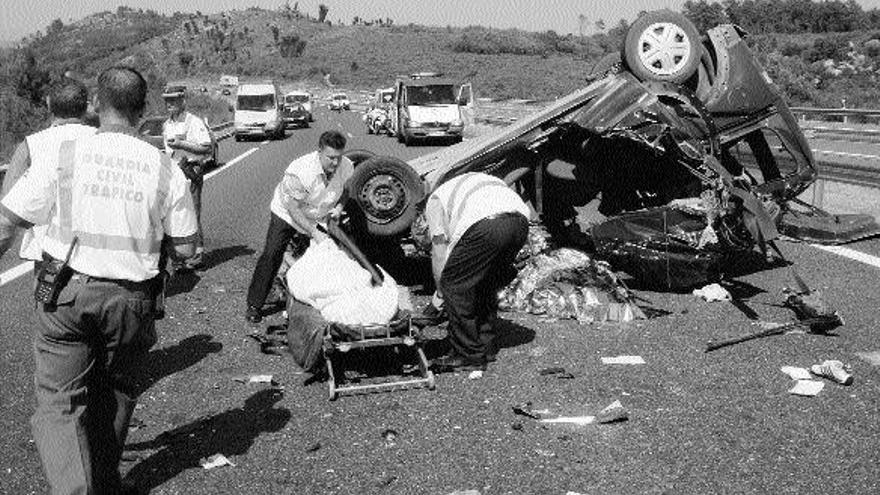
[{"x": 258, "y": 111}]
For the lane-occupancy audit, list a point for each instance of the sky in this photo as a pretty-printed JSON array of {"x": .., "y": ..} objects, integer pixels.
[{"x": 22, "y": 17}]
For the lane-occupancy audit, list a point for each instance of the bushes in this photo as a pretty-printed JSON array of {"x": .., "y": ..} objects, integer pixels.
[{"x": 477, "y": 39}]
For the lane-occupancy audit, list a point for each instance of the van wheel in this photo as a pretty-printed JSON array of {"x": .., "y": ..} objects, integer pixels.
[{"x": 662, "y": 46}]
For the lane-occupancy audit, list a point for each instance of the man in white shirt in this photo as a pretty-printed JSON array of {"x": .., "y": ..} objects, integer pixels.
[
  {"x": 68, "y": 101},
  {"x": 187, "y": 138},
  {"x": 476, "y": 225},
  {"x": 307, "y": 196}
]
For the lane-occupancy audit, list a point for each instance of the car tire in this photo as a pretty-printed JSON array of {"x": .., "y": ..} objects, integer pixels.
[
  {"x": 357, "y": 156},
  {"x": 369, "y": 128},
  {"x": 662, "y": 46},
  {"x": 386, "y": 192}
]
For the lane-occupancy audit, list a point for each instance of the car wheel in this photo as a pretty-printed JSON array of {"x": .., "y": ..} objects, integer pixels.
[
  {"x": 357, "y": 156},
  {"x": 369, "y": 128},
  {"x": 386, "y": 191},
  {"x": 662, "y": 46}
]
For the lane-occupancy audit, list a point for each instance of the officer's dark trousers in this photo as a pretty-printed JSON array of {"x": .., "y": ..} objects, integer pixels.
[
  {"x": 88, "y": 353},
  {"x": 478, "y": 266},
  {"x": 280, "y": 233}
]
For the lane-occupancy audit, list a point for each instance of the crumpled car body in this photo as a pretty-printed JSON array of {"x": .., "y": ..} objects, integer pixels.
[{"x": 685, "y": 175}]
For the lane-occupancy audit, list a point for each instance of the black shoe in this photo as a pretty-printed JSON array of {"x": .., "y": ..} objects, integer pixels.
[
  {"x": 253, "y": 314},
  {"x": 454, "y": 362}
]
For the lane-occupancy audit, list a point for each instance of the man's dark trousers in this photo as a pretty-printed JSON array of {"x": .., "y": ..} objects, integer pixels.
[
  {"x": 90, "y": 352},
  {"x": 278, "y": 236},
  {"x": 478, "y": 266}
]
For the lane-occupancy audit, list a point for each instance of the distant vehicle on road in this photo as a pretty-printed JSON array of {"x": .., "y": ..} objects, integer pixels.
[
  {"x": 426, "y": 106},
  {"x": 302, "y": 98},
  {"x": 258, "y": 111},
  {"x": 294, "y": 115},
  {"x": 150, "y": 130},
  {"x": 228, "y": 85},
  {"x": 378, "y": 116},
  {"x": 339, "y": 102}
]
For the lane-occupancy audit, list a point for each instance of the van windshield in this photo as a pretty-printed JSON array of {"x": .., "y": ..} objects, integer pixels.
[
  {"x": 439, "y": 94},
  {"x": 256, "y": 103},
  {"x": 296, "y": 99}
]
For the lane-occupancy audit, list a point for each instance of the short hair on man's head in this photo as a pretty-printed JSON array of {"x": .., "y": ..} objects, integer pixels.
[
  {"x": 332, "y": 139},
  {"x": 68, "y": 99},
  {"x": 122, "y": 88}
]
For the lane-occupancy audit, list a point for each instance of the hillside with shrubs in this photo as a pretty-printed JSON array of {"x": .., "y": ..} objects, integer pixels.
[{"x": 818, "y": 52}]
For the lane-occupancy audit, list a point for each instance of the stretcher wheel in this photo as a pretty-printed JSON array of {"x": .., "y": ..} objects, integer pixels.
[{"x": 331, "y": 380}]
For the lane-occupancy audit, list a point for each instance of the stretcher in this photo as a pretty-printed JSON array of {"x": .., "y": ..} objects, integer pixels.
[{"x": 332, "y": 340}]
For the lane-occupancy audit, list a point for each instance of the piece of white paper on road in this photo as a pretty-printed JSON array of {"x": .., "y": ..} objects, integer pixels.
[
  {"x": 808, "y": 388},
  {"x": 623, "y": 360},
  {"x": 574, "y": 420},
  {"x": 796, "y": 373},
  {"x": 216, "y": 460}
]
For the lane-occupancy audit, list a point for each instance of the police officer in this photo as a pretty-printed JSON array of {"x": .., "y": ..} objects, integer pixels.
[
  {"x": 108, "y": 203},
  {"x": 187, "y": 138},
  {"x": 307, "y": 196},
  {"x": 476, "y": 225},
  {"x": 68, "y": 101}
]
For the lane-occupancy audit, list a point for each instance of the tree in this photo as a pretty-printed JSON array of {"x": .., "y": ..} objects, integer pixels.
[
  {"x": 705, "y": 15},
  {"x": 56, "y": 27},
  {"x": 600, "y": 25},
  {"x": 582, "y": 22},
  {"x": 185, "y": 59},
  {"x": 322, "y": 12}
]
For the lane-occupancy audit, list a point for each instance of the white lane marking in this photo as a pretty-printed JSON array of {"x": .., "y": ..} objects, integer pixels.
[
  {"x": 852, "y": 254},
  {"x": 231, "y": 163},
  {"x": 17, "y": 271}
]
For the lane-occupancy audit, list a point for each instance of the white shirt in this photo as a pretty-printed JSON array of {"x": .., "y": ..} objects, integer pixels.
[
  {"x": 191, "y": 128},
  {"x": 43, "y": 149},
  {"x": 465, "y": 200},
  {"x": 119, "y": 198},
  {"x": 304, "y": 186}
]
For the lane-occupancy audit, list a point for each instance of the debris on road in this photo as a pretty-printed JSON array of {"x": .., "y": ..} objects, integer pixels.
[
  {"x": 566, "y": 283},
  {"x": 558, "y": 372},
  {"x": 807, "y": 388},
  {"x": 256, "y": 379},
  {"x": 623, "y": 360},
  {"x": 796, "y": 373},
  {"x": 833, "y": 370},
  {"x": 475, "y": 375},
  {"x": 215, "y": 461},
  {"x": 314, "y": 447},
  {"x": 527, "y": 411},
  {"x": 613, "y": 413},
  {"x": 390, "y": 437},
  {"x": 817, "y": 325},
  {"x": 575, "y": 420},
  {"x": 713, "y": 293},
  {"x": 465, "y": 492}
]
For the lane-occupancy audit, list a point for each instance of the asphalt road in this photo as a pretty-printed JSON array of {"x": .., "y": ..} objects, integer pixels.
[{"x": 720, "y": 422}]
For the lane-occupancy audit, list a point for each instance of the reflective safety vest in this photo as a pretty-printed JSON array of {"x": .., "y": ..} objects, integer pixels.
[
  {"x": 118, "y": 196},
  {"x": 465, "y": 200},
  {"x": 43, "y": 151}
]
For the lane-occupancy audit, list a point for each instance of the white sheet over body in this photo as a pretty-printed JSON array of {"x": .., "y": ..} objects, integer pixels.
[{"x": 326, "y": 278}]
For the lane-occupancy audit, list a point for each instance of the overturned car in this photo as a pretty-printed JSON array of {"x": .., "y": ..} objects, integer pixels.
[{"x": 684, "y": 142}]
